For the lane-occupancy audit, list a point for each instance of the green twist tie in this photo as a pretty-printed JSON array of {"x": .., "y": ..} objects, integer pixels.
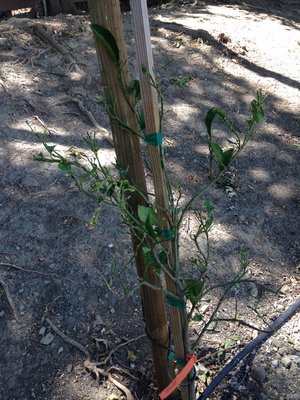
[
  {"x": 167, "y": 234},
  {"x": 174, "y": 301},
  {"x": 155, "y": 139},
  {"x": 180, "y": 361}
]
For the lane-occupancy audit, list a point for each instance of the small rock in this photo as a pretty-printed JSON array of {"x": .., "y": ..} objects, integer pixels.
[
  {"x": 204, "y": 308},
  {"x": 98, "y": 320},
  {"x": 69, "y": 368},
  {"x": 280, "y": 307},
  {"x": 42, "y": 331},
  {"x": 275, "y": 363},
  {"x": 258, "y": 373},
  {"x": 46, "y": 340},
  {"x": 282, "y": 351},
  {"x": 112, "y": 310},
  {"x": 253, "y": 290},
  {"x": 2, "y": 313},
  {"x": 286, "y": 361},
  {"x": 30, "y": 181},
  {"x": 242, "y": 218},
  {"x": 285, "y": 289},
  {"x": 294, "y": 367},
  {"x": 21, "y": 308},
  {"x": 295, "y": 359},
  {"x": 60, "y": 350}
]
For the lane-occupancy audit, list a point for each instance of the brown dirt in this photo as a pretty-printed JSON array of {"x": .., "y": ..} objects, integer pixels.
[{"x": 69, "y": 271}]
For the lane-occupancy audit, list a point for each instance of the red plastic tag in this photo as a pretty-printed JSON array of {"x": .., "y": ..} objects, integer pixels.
[{"x": 192, "y": 359}]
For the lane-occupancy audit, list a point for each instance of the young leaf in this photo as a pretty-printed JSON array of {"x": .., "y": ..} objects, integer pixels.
[
  {"x": 193, "y": 289},
  {"x": 147, "y": 213},
  {"x": 143, "y": 213},
  {"x": 50, "y": 149},
  {"x": 39, "y": 157},
  {"x": 217, "y": 153},
  {"x": 258, "y": 113},
  {"x": 227, "y": 157},
  {"x": 65, "y": 166},
  {"x": 107, "y": 40},
  {"x": 209, "y": 207},
  {"x": 197, "y": 317},
  {"x": 134, "y": 89},
  {"x": 211, "y": 115}
]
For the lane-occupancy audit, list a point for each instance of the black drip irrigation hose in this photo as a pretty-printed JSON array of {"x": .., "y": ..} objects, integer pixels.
[{"x": 250, "y": 347}]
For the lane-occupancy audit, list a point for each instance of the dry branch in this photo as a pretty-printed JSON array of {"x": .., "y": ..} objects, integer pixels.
[
  {"x": 73, "y": 342},
  {"x": 33, "y": 271},
  {"x": 90, "y": 366},
  {"x": 102, "y": 363},
  {"x": 87, "y": 113},
  {"x": 44, "y": 35}
]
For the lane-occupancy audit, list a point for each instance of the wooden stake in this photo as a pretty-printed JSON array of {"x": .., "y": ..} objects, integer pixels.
[
  {"x": 107, "y": 14},
  {"x": 152, "y": 122}
]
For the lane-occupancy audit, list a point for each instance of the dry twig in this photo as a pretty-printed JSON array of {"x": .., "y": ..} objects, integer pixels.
[
  {"x": 112, "y": 351},
  {"x": 73, "y": 342},
  {"x": 33, "y": 271},
  {"x": 93, "y": 367},
  {"x": 90, "y": 366},
  {"x": 43, "y": 34}
]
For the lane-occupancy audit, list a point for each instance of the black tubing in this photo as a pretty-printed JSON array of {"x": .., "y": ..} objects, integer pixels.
[{"x": 250, "y": 347}]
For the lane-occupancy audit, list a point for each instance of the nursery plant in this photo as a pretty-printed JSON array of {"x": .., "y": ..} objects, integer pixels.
[
  {"x": 158, "y": 245},
  {"x": 110, "y": 186}
]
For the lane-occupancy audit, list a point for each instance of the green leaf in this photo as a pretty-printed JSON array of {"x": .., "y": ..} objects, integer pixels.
[
  {"x": 143, "y": 213},
  {"x": 258, "y": 113},
  {"x": 144, "y": 69},
  {"x": 107, "y": 40},
  {"x": 39, "y": 157},
  {"x": 193, "y": 289},
  {"x": 147, "y": 213},
  {"x": 50, "y": 149},
  {"x": 147, "y": 256},
  {"x": 211, "y": 115},
  {"x": 209, "y": 207},
  {"x": 65, "y": 166},
  {"x": 197, "y": 317},
  {"x": 163, "y": 257},
  {"x": 227, "y": 157},
  {"x": 217, "y": 153},
  {"x": 134, "y": 89}
]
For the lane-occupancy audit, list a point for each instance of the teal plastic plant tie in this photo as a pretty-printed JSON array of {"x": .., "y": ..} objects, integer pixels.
[
  {"x": 180, "y": 361},
  {"x": 155, "y": 139},
  {"x": 167, "y": 234},
  {"x": 174, "y": 301}
]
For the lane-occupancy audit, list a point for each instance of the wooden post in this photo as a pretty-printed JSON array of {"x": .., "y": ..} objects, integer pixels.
[
  {"x": 152, "y": 121},
  {"x": 107, "y": 14}
]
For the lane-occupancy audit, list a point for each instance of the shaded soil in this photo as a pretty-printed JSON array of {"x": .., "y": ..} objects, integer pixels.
[{"x": 53, "y": 266}]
